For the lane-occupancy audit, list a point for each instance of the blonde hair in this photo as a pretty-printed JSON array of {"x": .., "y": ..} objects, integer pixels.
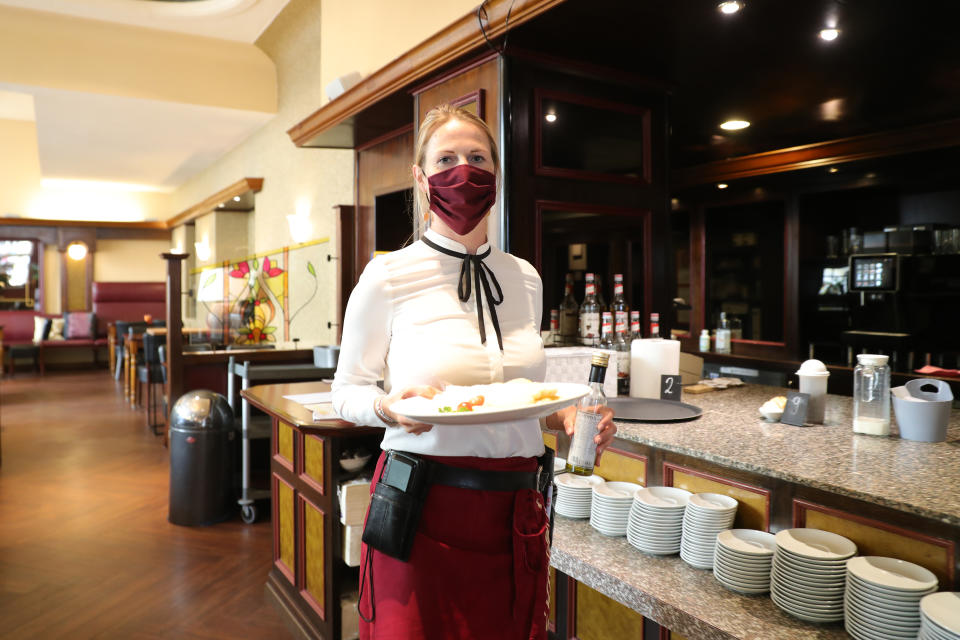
[{"x": 433, "y": 120}]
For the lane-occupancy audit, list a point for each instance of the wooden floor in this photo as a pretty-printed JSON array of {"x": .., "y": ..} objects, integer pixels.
[{"x": 85, "y": 547}]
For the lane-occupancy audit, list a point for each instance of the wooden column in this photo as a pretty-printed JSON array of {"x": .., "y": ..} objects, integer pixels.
[{"x": 174, "y": 328}]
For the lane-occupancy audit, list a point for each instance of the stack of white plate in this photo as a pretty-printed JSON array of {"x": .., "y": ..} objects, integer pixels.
[
  {"x": 610, "y": 508},
  {"x": 809, "y": 573},
  {"x": 574, "y": 494},
  {"x": 743, "y": 559},
  {"x": 882, "y": 599},
  {"x": 940, "y": 616},
  {"x": 706, "y": 515},
  {"x": 656, "y": 519}
]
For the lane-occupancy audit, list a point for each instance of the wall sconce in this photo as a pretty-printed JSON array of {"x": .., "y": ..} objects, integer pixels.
[
  {"x": 77, "y": 251},
  {"x": 203, "y": 249},
  {"x": 301, "y": 228}
]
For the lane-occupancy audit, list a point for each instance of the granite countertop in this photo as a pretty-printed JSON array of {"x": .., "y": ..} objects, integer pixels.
[
  {"x": 670, "y": 592},
  {"x": 916, "y": 477}
]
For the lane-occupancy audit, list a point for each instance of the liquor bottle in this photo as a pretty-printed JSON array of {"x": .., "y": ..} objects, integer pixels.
[
  {"x": 621, "y": 344},
  {"x": 606, "y": 331},
  {"x": 569, "y": 316},
  {"x": 590, "y": 315},
  {"x": 619, "y": 303},
  {"x": 635, "y": 326},
  {"x": 583, "y": 447},
  {"x": 654, "y": 325},
  {"x": 554, "y": 327},
  {"x": 723, "y": 334}
]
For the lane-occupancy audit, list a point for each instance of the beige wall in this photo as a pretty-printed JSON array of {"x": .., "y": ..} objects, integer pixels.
[
  {"x": 61, "y": 52},
  {"x": 19, "y": 165},
  {"x": 130, "y": 261},
  {"x": 364, "y": 35},
  {"x": 51, "y": 279},
  {"x": 311, "y": 43}
]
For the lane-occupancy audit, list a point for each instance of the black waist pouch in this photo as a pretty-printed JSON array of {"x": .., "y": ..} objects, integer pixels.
[
  {"x": 395, "y": 505},
  {"x": 545, "y": 485}
]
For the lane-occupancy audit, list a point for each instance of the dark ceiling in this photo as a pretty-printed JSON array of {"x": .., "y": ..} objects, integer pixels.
[{"x": 895, "y": 64}]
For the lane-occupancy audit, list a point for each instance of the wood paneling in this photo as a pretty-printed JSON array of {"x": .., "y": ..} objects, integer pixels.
[
  {"x": 876, "y": 538},
  {"x": 383, "y": 167},
  {"x": 753, "y": 510},
  {"x": 314, "y": 568},
  {"x": 601, "y": 618},
  {"x": 284, "y": 517},
  {"x": 285, "y": 443},
  {"x": 485, "y": 75},
  {"x": 442, "y": 49},
  {"x": 619, "y": 465},
  {"x": 313, "y": 460}
]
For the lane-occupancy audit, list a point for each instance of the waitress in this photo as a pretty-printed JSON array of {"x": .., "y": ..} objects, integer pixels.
[{"x": 451, "y": 309}]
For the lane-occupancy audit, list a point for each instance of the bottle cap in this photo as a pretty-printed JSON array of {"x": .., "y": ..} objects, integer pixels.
[
  {"x": 600, "y": 359},
  {"x": 872, "y": 360}
]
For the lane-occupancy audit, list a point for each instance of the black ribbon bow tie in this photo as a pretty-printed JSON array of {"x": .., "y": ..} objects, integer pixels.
[{"x": 480, "y": 279}]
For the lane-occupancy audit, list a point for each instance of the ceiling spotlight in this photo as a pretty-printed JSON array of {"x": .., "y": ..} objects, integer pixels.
[
  {"x": 550, "y": 117},
  {"x": 829, "y": 34},
  {"x": 220, "y": 205},
  {"x": 236, "y": 198},
  {"x": 870, "y": 176},
  {"x": 734, "y": 125},
  {"x": 833, "y": 169},
  {"x": 730, "y": 7},
  {"x": 722, "y": 185}
]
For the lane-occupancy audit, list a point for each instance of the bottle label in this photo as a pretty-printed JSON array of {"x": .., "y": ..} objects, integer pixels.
[
  {"x": 618, "y": 289},
  {"x": 591, "y": 289},
  {"x": 635, "y": 327},
  {"x": 583, "y": 449},
  {"x": 621, "y": 325},
  {"x": 554, "y": 320},
  {"x": 589, "y": 326},
  {"x": 568, "y": 323}
]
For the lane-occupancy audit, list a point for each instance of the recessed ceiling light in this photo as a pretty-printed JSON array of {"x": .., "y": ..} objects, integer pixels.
[
  {"x": 829, "y": 34},
  {"x": 734, "y": 125},
  {"x": 833, "y": 169},
  {"x": 550, "y": 117},
  {"x": 730, "y": 7},
  {"x": 870, "y": 176},
  {"x": 722, "y": 185},
  {"x": 236, "y": 198}
]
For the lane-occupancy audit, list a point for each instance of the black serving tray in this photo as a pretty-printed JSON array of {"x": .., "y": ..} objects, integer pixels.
[{"x": 652, "y": 410}]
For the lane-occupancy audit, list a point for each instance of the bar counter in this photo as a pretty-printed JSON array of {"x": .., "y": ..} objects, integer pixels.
[
  {"x": 918, "y": 477},
  {"x": 891, "y": 496}
]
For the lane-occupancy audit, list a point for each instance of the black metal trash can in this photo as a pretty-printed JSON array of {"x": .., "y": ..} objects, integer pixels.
[{"x": 201, "y": 441}]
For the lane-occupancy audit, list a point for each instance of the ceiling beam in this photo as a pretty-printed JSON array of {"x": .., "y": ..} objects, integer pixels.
[
  {"x": 441, "y": 49},
  {"x": 211, "y": 203},
  {"x": 935, "y": 135}
]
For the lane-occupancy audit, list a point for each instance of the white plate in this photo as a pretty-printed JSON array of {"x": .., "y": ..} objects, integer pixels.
[
  {"x": 664, "y": 497},
  {"x": 943, "y": 609},
  {"x": 428, "y": 409},
  {"x": 816, "y": 544},
  {"x": 575, "y": 482},
  {"x": 712, "y": 502},
  {"x": 892, "y": 573},
  {"x": 748, "y": 541}
]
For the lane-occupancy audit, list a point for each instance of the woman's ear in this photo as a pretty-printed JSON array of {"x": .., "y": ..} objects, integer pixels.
[{"x": 422, "y": 183}]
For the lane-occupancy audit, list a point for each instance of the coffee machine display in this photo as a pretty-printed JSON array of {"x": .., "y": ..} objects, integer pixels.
[{"x": 878, "y": 273}]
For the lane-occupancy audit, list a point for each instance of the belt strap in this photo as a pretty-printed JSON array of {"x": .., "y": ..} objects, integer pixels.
[{"x": 481, "y": 479}]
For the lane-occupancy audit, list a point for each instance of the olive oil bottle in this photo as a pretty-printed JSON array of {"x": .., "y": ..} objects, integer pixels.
[{"x": 583, "y": 447}]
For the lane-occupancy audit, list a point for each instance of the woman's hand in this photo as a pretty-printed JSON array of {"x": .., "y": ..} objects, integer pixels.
[
  {"x": 408, "y": 425},
  {"x": 565, "y": 419}
]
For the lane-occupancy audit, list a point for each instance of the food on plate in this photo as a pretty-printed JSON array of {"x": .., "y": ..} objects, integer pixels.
[
  {"x": 514, "y": 394},
  {"x": 772, "y": 409},
  {"x": 779, "y": 401}
]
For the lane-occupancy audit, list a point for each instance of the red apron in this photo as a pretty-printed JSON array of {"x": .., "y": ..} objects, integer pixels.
[{"x": 478, "y": 568}]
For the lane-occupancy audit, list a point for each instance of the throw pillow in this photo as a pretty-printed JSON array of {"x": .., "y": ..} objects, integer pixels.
[
  {"x": 79, "y": 324},
  {"x": 41, "y": 328},
  {"x": 56, "y": 329}
]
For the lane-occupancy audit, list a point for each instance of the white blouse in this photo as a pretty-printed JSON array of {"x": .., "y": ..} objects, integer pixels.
[{"x": 405, "y": 323}]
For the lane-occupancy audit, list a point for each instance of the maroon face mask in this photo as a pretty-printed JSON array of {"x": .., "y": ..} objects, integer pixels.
[{"x": 461, "y": 196}]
